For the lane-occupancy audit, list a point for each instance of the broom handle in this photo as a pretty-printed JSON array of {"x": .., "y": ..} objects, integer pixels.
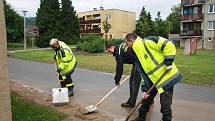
[
  {"x": 148, "y": 92},
  {"x": 121, "y": 82},
  {"x": 56, "y": 66}
]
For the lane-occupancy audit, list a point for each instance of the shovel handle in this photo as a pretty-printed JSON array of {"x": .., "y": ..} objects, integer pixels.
[
  {"x": 121, "y": 82},
  {"x": 148, "y": 92}
]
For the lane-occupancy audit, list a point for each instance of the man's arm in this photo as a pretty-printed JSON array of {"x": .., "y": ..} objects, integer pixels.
[
  {"x": 169, "y": 51},
  {"x": 119, "y": 69}
]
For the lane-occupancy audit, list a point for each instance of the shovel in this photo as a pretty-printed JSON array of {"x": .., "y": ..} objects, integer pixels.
[
  {"x": 93, "y": 108},
  {"x": 142, "y": 101}
]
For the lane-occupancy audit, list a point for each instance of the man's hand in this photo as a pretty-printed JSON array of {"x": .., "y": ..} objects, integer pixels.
[
  {"x": 145, "y": 95},
  {"x": 117, "y": 83},
  {"x": 168, "y": 68}
]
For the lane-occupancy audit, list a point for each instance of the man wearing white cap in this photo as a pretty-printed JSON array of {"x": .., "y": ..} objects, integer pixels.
[{"x": 66, "y": 63}]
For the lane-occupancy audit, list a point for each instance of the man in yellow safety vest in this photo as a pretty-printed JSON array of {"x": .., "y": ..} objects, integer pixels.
[
  {"x": 155, "y": 56},
  {"x": 65, "y": 62}
]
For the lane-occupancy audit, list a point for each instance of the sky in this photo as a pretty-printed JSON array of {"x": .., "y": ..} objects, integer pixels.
[{"x": 152, "y": 6}]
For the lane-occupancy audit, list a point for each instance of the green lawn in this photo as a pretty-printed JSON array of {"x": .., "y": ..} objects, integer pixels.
[
  {"x": 198, "y": 69},
  {"x": 15, "y": 46},
  {"x": 27, "y": 111}
]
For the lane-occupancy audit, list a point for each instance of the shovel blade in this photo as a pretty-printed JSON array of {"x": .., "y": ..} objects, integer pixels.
[{"x": 91, "y": 108}]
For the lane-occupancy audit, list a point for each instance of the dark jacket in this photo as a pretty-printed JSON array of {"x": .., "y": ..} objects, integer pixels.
[{"x": 121, "y": 58}]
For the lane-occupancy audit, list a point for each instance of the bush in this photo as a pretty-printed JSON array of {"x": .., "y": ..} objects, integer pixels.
[
  {"x": 113, "y": 42},
  {"x": 91, "y": 43}
]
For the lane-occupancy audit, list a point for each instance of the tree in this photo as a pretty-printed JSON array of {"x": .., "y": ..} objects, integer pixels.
[
  {"x": 48, "y": 22},
  {"x": 161, "y": 27},
  {"x": 151, "y": 24},
  {"x": 106, "y": 26},
  {"x": 14, "y": 24},
  {"x": 70, "y": 27},
  {"x": 144, "y": 26},
  {"x": 174, "y": 19}
]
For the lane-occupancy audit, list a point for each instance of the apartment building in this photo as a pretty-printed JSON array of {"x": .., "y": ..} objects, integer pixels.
[
  {"x": 121, "y": 21},
  {"x": 198, "y": 22}
]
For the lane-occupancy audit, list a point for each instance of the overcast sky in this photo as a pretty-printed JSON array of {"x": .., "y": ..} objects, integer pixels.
[{"x": 151, "y": 6}]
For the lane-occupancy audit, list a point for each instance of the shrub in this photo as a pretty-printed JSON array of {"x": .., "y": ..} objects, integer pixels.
[
  {"x": 91, "y": 43},
  {"x": 113, "y": 41}
]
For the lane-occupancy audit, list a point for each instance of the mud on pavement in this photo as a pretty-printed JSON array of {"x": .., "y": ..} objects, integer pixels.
[{"x": 72, "y": 110}]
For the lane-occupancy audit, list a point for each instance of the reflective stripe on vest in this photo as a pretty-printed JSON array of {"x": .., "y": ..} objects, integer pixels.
[
  {"x": 69, "y": 85},
  {"x": 123, "y": 47},
  {"x": 154, "y": 64}
]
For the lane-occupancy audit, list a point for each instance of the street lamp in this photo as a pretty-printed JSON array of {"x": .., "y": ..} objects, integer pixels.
[{"x": 24, "y": 12}]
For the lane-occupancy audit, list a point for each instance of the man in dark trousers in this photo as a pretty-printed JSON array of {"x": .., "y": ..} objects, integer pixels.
[
  {"x": 155, "y": 57},
  {"x": 123, "y": 56}
]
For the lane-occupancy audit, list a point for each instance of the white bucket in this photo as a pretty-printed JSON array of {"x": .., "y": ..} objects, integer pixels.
[{"x": 60, "y": 95}]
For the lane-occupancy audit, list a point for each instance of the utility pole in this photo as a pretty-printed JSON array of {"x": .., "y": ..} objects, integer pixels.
[
  {"x": 5, "y": 103},
  {"x": 24, "y": 12},
  {"x": 101, "y": 3}
]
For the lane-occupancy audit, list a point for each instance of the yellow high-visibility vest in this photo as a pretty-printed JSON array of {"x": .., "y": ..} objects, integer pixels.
[
  {"x": 65, "y": 59},
  {"x": 151, "y": 56}
]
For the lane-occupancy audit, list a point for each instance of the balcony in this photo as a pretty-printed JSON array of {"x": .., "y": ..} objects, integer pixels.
[
  {"x": 90, "y": 21},
  {"x": 192, "y": 17},
  {"x": 191, "y": 33},
  {"x": 192, "y": 2},
  {"x": 187, "y": 2},
  {"x": 98, "y": 30}
]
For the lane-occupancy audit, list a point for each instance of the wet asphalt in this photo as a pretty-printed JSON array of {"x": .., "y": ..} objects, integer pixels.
[{"x": 190, "y": 102}]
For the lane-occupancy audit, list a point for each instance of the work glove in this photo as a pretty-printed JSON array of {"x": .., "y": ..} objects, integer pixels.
[
  {"x": 168, "y": 68},
  {"x": 145, "y": 96}
]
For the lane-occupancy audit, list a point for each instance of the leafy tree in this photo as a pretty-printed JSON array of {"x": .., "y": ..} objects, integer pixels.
[
  {"x": 151, "y": 24},
  {"x": 144, "y": 26},
  {"x": 70, "y": 27},
  {"x": 31, "y": 21},
  {"x": 106, "y": 26},
  {"x": 161, "y": 27},
  {"x": 14, "y": 24},
  {"x": 48, "y": 16},
  {"x": 174, "y": 19}
]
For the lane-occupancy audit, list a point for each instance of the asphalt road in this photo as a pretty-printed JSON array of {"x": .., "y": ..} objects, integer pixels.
[{"x": 190, "y": 103}]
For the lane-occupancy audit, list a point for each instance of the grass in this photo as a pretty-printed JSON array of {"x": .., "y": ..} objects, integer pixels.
[
  {"x": 15, "y": 46},
  {"x": 198, "y": 69},
  {"x": 27, "y": 111}
]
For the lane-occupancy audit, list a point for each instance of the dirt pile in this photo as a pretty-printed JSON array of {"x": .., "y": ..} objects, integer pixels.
[{"x": 72, "y": 110}]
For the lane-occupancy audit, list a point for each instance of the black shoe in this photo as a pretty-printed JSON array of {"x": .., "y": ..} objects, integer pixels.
[{"x": 127, "y": 105}]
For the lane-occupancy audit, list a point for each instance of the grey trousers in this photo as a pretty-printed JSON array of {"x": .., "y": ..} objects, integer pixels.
[{"x": 134, "y": 84}]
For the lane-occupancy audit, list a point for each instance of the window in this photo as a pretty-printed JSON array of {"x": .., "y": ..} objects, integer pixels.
[
  {"x": 211, "y": 8},
  {"x": 195, "y": 10},
  {"x": 211, "y": 25}
]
